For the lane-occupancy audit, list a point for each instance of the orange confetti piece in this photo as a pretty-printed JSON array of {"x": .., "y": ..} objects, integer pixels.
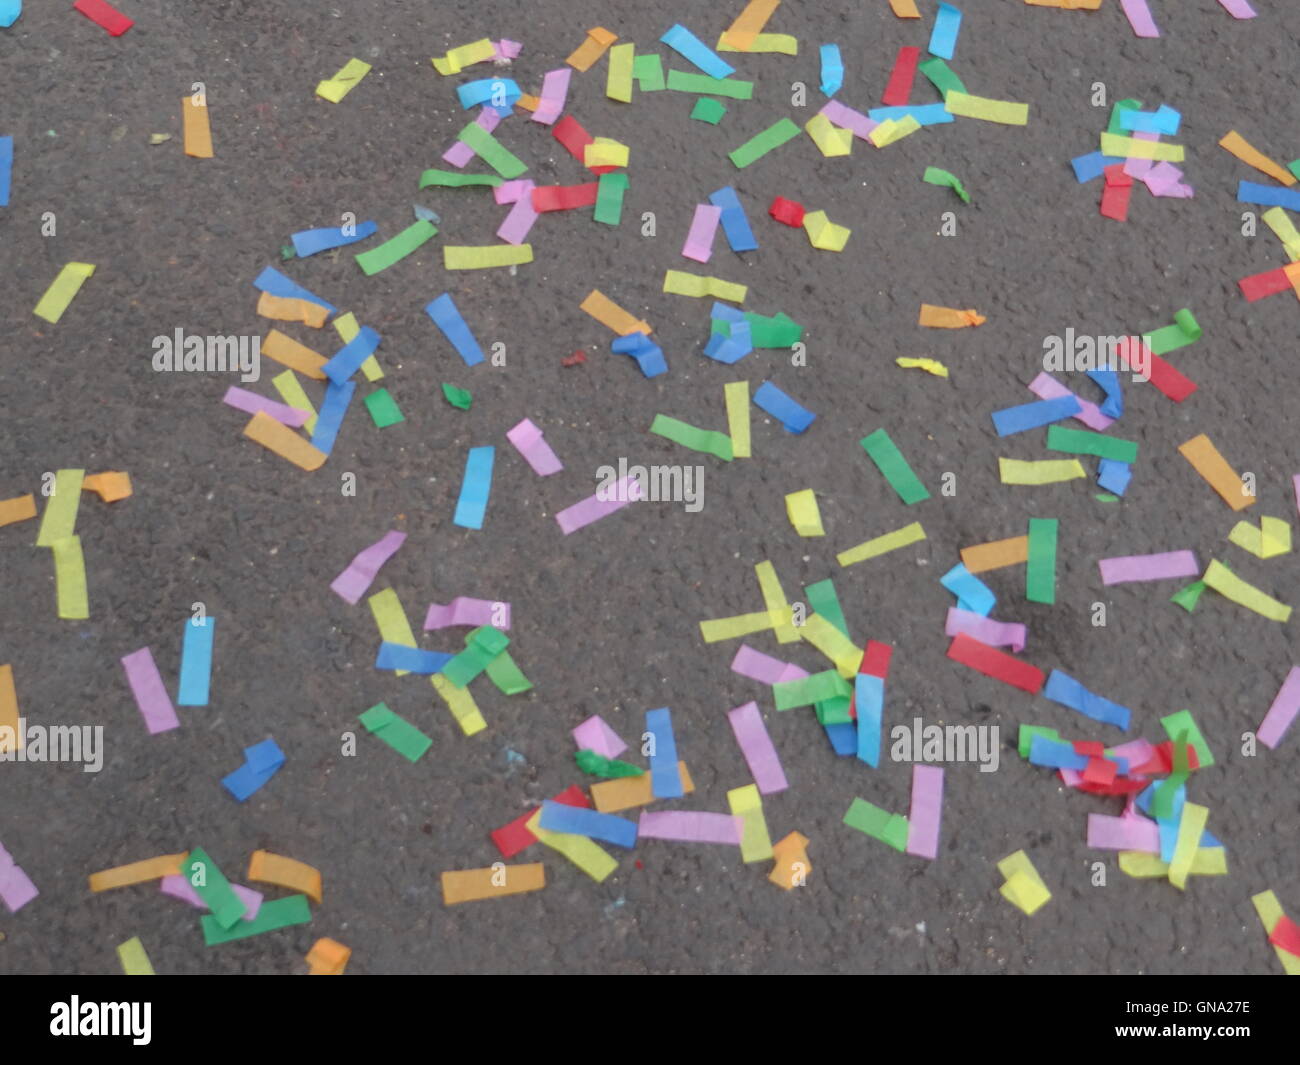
[
  {"x": 278, "y": 437},
  {"x": 949, "y": 317},
  {"x": 1212, "y": 466},
  {"x": 611, "y": 315},
  {"x": 276, "y": 869},
  {"x": 792, "y": 866},
  {"x": 623, "y": 793},
  {"x": 528, "y": 103},
  {"x": 138, "y": 872},
  {"x": 996, "y": 554},
  {"x": 328, "y": 957},
  {"x": 11, "y": 737},
  {"x": 742, "y": 33},
  {"x": 597, "y": 43},
  {"x": 1235, "y": 143},
  {"x": 198, "y": 134},
  {"x": 287, "y": 351},
  {"x": 905, "y": 8},
  {"x": 20, "y": 508},
  {"x": 109, "y": 486},
  {"x": 470, "y": 885},
  {"x": 288, "y": 309}
]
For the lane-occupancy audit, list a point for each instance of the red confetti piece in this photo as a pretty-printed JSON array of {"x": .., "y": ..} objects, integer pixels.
[
  {"x": 569, "y": 132},
  {"x": 1115, "y": 197},
  {"x": 1160, "y": 373},
  {"x": 1286, "y": 934},
  {"x": 994, "y": 663},
  {"x": 576, "y": 359},
  {"x": 105, "y": 15},
  {"x": 787, "y": 211},
  {"x": 514, "y": 837},
  {"x": 564, "y": 197},
  {"x": 899, "y": 89}
]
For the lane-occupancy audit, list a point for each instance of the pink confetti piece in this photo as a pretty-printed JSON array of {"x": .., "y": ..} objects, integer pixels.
[
  {"x": 593, "y": 508},
  {"x": 555, "y": 89},
  {"x": 756, "y": 745},
  {"x": 178, "y": 887},
  {"x": 1238, "y": 8},
  {"x": 1129, "y": 568},
  {"x": 704, "y": 227},
  {"x": 461, "y": 153},
  {"x": 16, "y": 887},
  {"x": 1045, "y": 386},
  {"x": 764, "y": 668},
  {"x": 926, "y": 811},
  {"x": 847, "y": 118},
  {"x": 515, "y": 226},
  {"x": 594, "y": 734},
  {"x": 352, "y": 583},
  {"x": 252, "y": 403},
  {"x": 151, "y": 696},
  {"x": 1123, "y": 834},
  {"x": 1283, "y": 711},
  {"x": 528, "y": 441},
  {"x": 466, "y": 611},
  {"x": 1139, "y": 17},
  {"x": 688, "y": 826},
  {"x": 986, "y": 630},
  {"x": 1137, "y": 752},
  {"x": 507, "y": 49}
]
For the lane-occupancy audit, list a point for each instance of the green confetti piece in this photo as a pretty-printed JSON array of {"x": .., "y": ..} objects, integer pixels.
[
  {"x": 937, "y": 176},
  {"x": 758, "y": 146},
  {"x": 1188, "y": 597},
  {"x": 648, "y": 70},
  {"x": 609, "y": 196},
  {"x": 778, "y": 331},
  {"x": 941, "y": 76},
  {"x": 1106, "y": 497},
  {"x": 215, "y": 890},
  {"x": 1185, "y": 330},
  {"x": 834, "y": 711},
  {"x": 457, "y": 397},
  {"x": 732, "y": 88},
  {"x": 384, "y": 409},
  {"x": 808, "y": 691},
  {"x": 492, "y": 151},
  {"x": 1086, "y": 442},
  {"x": 600, "y": 766},
  {"x": 823, "y": 600},
  {"x": 1116, "y": 113},
  {"x": 1294, "y": 167},
  {"x": 287, "y": 252},
  {"x": 454, "y": 179},
  {"x": 708, "y": 110},
  {"x": 703, "y": 440},
  {"x": 397, "y": 732},
  {"x": 1026, "y": 738},
  {"x": 1183, "y": 724},
  {"x": 481, "y": 646},
  {"x": 394, "y": 249},
  {"x": 877, "y": 823},
  {"x": 1040, "y": 571},
  {"x": 1162, "y": 804},
  {"x": 277, "y": 913},
  {"x": 889, "y": 461},
  {"x": 503, "y": 672}
]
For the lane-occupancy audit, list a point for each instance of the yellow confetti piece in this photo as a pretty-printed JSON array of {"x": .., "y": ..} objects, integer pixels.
[
  {"x": 996, "y": 554},
  {"x": 928, "y": 365},
  {"x": 1006, "y": 112},
  {"x": 741, "y": 625},
  {"x": 60, "y": 518},
  {"x": 138, "y": 872},
  {"x": 824, "y": 636},
  {"x": 461, "y": 704},
  {"x": 792, "y": 866},
  {"x": 466, "y": 55},
  {"x": 1271, "y": 539},
  {"x": 804, "y": 514},
  {"x": 288, "y": 352},
  {"x": 680, "y": 283},
  {"x": 335, "y": 88},
  {"x": 618, "y": 82},
  {"x": 626, "y": 793},
  {"x": 582, "y": 851},
  {"x": 1132, "y": 148},
  {"x": 462, "y": 257},
  {"x": 134, "y": 960},
  {"x": 830, "y": 139},
  {"x": 288, "y": 309},
  {"x": 744, "y": 30},
  {"x": 62, "y": 290},
  {"x": 948, "y": 317},
  {"x": 736, "y": 394},
  {"x": 328, "y": 957},
  {"x": 110, "y": 486},
  {"x": 278, "y": 437},
  {"x": 755, "y": 842},
  {"x": 778, "y": 606},
  {"x": 611, "y": 315},
  {"x": 1235, "y": 143},
  {"x": 1230, "y": 586},
  {"x": 1207, "y": 861},
  {"x": 70, "y": 579},
  {"x": 1284, "y": 229},
  {"x": 586, "y": 54},
  {"x": 292, "y": 393},
  {"x": 1270, "y": 912},
  {"x": 471, "y": 885},
  {"x": 905, "y": 8},
  {"x": 197, "y": 129},
  {"x": 11, "y": 737},
  {"x": 604, "y": 151},
  {"x": 390, "y": 617},
  {"x": 1214, "y": 468},
  {"x": 348, "y": 330},
  {"x": 1024, "y": 888},
  {"x": 825, "y": 234},
  {"x": 268, "y": 868},
  {"x": 893, "y": 129},
  {"x": 881, "y": 545},
  {"x": 23, "y": 508},
  {"x": 1190, "y": 827},
  {"x": 779, "y": 43},
  {"x": 1048, "y": 471}
]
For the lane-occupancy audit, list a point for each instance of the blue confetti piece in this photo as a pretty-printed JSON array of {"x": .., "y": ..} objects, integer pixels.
[
  {"x": 348, "y": 359},
  {"x": 971, "y": 592},
  {"x": 196, "y": 662},
  {"x": 832, "y": 69},
  {"x": 843, "y": 737},
  {"x": 264, "y": 756},
  {"x": 1064, "y": 689},
  {"x": 473, "y": 93},
  {"x": 272, "y": 281},
  {"x": 926, "y": 114},
  {"x": 733, "y": 348},
  {"x": 735, "y": 225},
  {"x": 1056, "y": 755},
  {"x": 1093, "y": 165},
  {"x": 1110, "y": 384},
  {"x": 869, "y": 701},
  {"x": 693, "y": 50},
  {"x": 1113, "y": 476},
  {"x": 311, "y": 241},
  {"x": 579, "y": 821},
  {"x": 447, "y": 317},
  {"x": 332, "y": 410},
  {"x": 1268, "y": 195},
  {"x": 261, "y": 762},
  {"x": 6, "y": 168},
  {"x": 1166, "y": 120},
  {"x": 1034, "y": 415},
  {"x": 475, "y": 488},
  {"x": 665, "y": 777},
  {"x": 9, "y": 12},
  {"x": 784, "y": 409},
  {"x": 649, "y": 356},
  {"x": 943, "y": 38},
  {"x": 411, "y": 659},
  {"x": 727, "y": 313}
]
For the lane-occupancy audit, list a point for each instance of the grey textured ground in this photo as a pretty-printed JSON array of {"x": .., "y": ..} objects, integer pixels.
[{"x": 606, "y": 620}]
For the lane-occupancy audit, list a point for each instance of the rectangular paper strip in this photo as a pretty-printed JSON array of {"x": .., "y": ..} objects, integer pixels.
[
  {"x": 926, "y": 811},
  {"x": 756, "y": 745},
  {"x": 151, "y": 696}
]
